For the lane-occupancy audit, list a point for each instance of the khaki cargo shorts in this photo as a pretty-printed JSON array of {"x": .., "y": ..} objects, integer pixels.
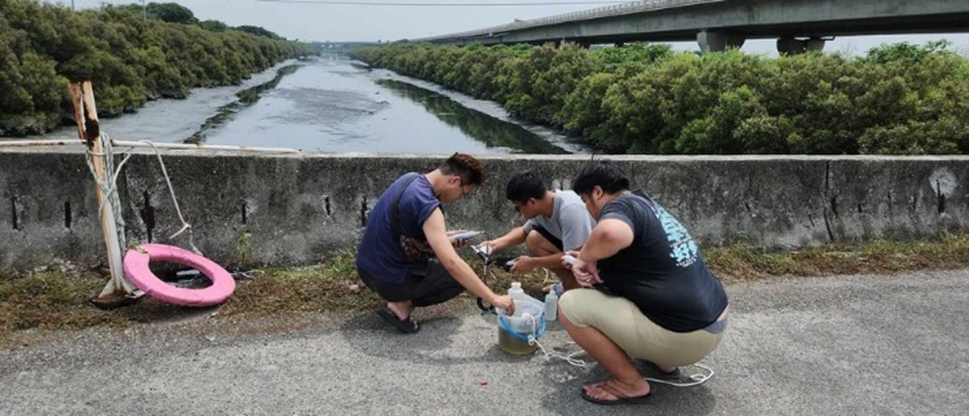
[{"x": 622, "y": 322}]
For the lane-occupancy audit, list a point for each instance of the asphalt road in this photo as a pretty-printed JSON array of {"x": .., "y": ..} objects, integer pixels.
[{"x": 839, "y": 345}]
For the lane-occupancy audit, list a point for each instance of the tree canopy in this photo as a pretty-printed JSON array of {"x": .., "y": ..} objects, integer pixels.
[
  {"x": 130, "y": 59},
  {"x": 642, "y": 98}
]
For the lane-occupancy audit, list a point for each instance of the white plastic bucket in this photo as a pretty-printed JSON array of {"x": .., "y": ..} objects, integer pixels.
[{"x": 528, "y": 321}]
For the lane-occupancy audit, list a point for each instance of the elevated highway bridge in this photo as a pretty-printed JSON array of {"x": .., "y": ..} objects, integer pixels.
[{"x": 798, "y": 25}]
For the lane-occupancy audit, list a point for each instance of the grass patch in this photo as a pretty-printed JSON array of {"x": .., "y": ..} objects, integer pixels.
[
  {"x": 49, "y": 300},
  {"x": 59, "y": 300},
  {"x": 745, "y": 261}
]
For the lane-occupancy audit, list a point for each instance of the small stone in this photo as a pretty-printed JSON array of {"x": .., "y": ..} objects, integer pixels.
[{"x": 354, "y": 288}]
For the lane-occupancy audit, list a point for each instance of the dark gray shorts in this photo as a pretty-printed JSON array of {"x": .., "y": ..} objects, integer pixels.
[{"x": 429, "y": 286}]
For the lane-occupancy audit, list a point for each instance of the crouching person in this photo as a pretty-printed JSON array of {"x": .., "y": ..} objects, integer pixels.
[
  {"x": 647, "y": 293},
  {"x": 406, "y": 255},
  {"x": 556, "y": 222}
]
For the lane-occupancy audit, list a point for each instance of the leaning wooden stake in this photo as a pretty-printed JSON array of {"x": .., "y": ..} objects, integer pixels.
[{"x": 119, "y": 291}]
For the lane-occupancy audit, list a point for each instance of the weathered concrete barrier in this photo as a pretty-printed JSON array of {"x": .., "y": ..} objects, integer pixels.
[{"x": 290, "y": 210}]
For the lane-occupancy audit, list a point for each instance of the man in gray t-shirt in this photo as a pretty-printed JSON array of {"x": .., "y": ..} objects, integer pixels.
[{"x": 557, "y": 222}]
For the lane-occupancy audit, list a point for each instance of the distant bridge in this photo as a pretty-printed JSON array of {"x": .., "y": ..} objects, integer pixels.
[
  {"x": 799, "y": 25},
  {"x": 343, "y": 45}
]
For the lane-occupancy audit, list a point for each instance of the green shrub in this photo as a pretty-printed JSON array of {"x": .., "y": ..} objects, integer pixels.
[{"x": 640, "y": 98}]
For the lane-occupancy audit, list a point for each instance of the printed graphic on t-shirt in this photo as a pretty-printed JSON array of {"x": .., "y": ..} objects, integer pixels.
[{"x": 684, "y": 249}]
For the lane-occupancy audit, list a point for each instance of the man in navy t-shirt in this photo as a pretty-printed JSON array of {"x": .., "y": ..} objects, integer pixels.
[
  {"x": 649, "y": 294},
  {"x": 406, "y": 255}
]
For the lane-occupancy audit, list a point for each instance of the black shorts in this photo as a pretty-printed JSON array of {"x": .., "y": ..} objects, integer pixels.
[
  {"x": 426, "y": 287},
  {"x": 551, "y": 238}
]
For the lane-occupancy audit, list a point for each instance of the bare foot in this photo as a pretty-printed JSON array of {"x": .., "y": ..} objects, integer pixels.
[
  {"x": 614, "y": 390},
  {"x": 591, "y": 386}
]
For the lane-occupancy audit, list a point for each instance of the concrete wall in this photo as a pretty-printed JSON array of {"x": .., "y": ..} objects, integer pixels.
[{"x": 290, "y": 210}]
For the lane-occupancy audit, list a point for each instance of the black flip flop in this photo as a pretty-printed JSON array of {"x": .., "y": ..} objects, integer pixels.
[
  {"x": 621, "y": 400},
  {"x": 406, "y": 325}
]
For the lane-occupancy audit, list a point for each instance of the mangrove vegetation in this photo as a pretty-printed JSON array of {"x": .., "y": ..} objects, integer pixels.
[
  {"x": 131, "y": 54},
  {"x": 644, "y": 98}
]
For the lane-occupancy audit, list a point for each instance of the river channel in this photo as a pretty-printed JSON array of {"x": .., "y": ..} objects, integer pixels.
[{"x": 332, "y": 104}]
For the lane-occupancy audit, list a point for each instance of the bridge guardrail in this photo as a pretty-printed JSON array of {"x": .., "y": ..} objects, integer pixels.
[{"x": 597, "y": 13}]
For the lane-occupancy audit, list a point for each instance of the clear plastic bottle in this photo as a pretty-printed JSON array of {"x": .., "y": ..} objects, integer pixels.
[
  {"x": 517, "y": 293},
  {"x": 551, "y": 306}
]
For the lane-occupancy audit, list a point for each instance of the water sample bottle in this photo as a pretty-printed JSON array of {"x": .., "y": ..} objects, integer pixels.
[
  {"x": 517, "y": 294},
  {"x": 516, "y": 290},
  {"x": 551, "y": 306}
]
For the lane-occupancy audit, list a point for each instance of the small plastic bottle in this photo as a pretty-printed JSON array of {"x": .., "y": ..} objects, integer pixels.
[
  {"x": 551, "y": 306},
  {"x": 517, "y": 293}
]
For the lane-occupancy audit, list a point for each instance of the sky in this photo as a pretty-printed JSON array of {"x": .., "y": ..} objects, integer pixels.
[{"x": 328, "y": 22}]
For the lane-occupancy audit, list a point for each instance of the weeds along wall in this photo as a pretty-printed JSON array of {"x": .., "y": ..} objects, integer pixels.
[{"x": 294, "y": 210}]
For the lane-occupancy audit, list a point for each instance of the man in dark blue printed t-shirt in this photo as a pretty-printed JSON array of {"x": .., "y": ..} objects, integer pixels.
[
  {"x": 406, "y": 255},
  {"x": 656, "y": 300}
]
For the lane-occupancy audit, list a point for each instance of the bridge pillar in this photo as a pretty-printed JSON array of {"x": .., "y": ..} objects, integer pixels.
[
  {"x": 580, "y": 43},
  {"x": 815, "y": 44},
  {"x": 718, "y": 41},
  {"x": 792, "y": 46}
]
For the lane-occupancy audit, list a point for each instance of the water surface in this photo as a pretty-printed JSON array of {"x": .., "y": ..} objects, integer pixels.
[{"x": 335, "y": 105}]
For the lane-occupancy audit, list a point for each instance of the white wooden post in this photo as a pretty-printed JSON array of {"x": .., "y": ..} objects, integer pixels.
[{"x": 119, "y": 291}]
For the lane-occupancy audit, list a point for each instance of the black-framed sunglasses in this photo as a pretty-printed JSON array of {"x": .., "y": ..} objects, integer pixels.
[{"x": 518, "y": 206}]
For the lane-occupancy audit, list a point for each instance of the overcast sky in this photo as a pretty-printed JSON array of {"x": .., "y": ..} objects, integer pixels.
[{"x": 320, "y": 22}]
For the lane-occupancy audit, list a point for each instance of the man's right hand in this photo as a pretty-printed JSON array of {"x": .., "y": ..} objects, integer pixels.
[
  {"x": 489, "y": 247},
  {"x": 504, "y": 302}
]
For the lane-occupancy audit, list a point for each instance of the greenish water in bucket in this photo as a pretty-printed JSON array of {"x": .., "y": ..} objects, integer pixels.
[
  {"x": 512, "y": 345},
  {"x": 513, "y": 331}
]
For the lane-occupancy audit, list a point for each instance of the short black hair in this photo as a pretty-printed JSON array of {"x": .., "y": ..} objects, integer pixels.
[
  {"x": 605, "y": 174},
  {"x": 524, "y": 186},
  {"x": 471, "y": 170}
]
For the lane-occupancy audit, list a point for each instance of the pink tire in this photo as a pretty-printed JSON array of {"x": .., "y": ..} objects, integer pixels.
[{"x": 136, "y": 268}]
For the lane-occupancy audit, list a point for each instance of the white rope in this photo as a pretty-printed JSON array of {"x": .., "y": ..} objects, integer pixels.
[
  {"x": 247, "y": 275},
  {"x": 695, "y": 379},
  {"x": 171, "y": 190},
  {"x": 532, "y": 340},
  {"x": 549, "y": 355},
  {"x": 108, "y": 187},
  {"x": 110, "y": 184}
]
